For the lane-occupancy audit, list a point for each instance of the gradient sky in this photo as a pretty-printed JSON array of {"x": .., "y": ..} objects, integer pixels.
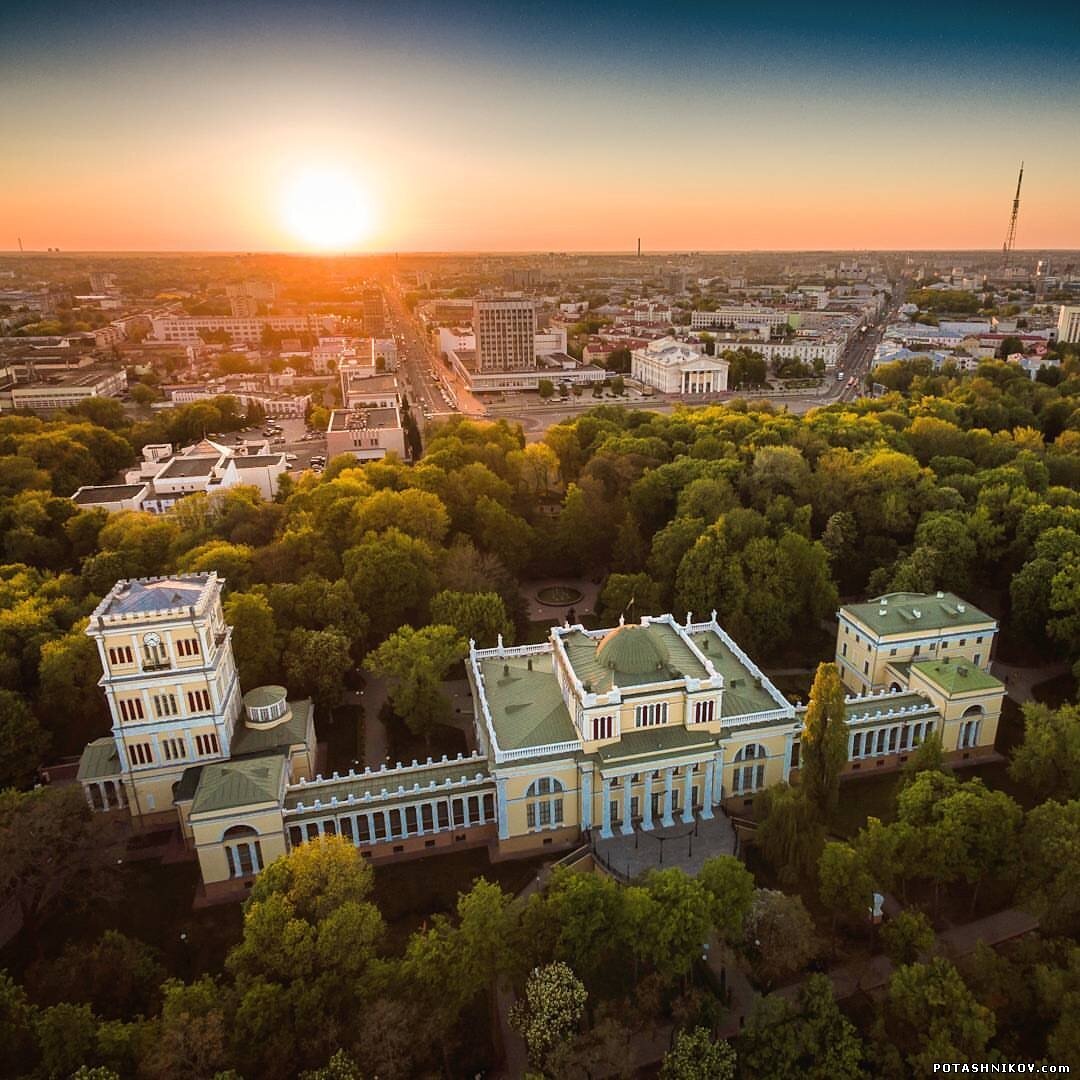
[{"x": 551, "y": 126}]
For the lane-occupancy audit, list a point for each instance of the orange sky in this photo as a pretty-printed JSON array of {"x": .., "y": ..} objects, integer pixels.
[{"x": 460, "y": 143}]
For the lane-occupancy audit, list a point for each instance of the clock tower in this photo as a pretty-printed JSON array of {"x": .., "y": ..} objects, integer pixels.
[{"x": 172, "y": 689}]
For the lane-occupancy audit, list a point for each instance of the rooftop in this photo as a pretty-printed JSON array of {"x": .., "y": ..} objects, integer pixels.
[
  {"x": 189, "y": 466},
  {"x": 104, "y": 493},
  {"x": 244, "y": 781},
  {"x": 744, "y": 692},
  {"x": 526, "y": 706},
  {"x": 955, "y": 678},
  {"x": 291, "y": 732},
  {"x": 144, "y": 596},
  {"x": 258, "y": 461},
  {"x": 387, "y": 781},
  {"x": 907, "y": 612},
  {"x": 99, "y": 760},
  {"x": 632, "y": 655}
]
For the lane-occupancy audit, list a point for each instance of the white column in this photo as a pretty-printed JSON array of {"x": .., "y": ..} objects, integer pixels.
[
  {"x": 500, "y": 806},
  {"x": 646, "y": 809},
  {"x": 851, "y": 745},
  {"x": 586, "y": 798},
  {"x": 688, "y": 794},
  {"x": 669, "y": 780},
  {"x": 718, "y": 778},
  {"x": 627, "y": 819},
  {"x": 605, "y": 809},
  {"x": 706, "y": 790},
  {"x": 789, "y": 742}
]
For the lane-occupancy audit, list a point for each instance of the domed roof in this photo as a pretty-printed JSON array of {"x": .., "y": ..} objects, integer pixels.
[{"x": 632, "y": 650}]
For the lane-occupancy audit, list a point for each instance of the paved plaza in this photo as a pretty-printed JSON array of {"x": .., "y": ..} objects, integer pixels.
[{"x": 686, "y": 846}]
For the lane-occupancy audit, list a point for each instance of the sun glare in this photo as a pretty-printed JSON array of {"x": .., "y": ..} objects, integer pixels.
[{"x": 326, "y": 208}]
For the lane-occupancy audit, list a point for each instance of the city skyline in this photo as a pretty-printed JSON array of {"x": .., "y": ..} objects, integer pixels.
[{"x": 458, "y": 129}]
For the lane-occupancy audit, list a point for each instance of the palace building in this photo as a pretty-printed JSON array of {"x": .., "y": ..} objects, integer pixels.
[{"x": 590, "y": 734}]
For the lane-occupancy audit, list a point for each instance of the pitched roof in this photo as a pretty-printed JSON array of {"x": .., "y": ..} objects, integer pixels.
[
  {"x": 911, "y": 612},
  {"x": 527, "y": 707},
  {"x": 99, "y": 760},
  {"x": 956, "y": 677},
  {"x": 290, "y": 733},
  {"x": 155, "y": 594},
  {"x": 246, "y": 781}
]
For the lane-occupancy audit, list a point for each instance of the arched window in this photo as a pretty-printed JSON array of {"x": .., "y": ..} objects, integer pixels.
[
  {"x": 544, "y": 806},
  {"x": 243, "y": 852},
  {"x": 970, "y": 722},
  {"x": 749, "y": 772}
]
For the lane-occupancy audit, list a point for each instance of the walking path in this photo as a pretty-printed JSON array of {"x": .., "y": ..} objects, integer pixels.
[
  {"x": 1021, "y": 681},
  {"x": 871, "y": 973},
  {"x": 371, "y": 699}
]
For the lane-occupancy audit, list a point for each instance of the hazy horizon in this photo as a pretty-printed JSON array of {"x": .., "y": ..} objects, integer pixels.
[{"x": 466, "y": 128}]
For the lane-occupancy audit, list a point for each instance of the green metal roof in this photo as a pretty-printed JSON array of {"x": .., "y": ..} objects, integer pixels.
[
  {"x": 526, "y": 706},
  {"x": 293, "y": 731},
  {"x": 631, "y": 656},
  {"x": 247, "y": 781},
  {"x": 869, "y": 706},
  {"x": 956, "y": 677},
  {"x": 376, "y": 783},
  {"x": 944, "y": 611},
  {"x": 99, "y": 760},
  {"x": 666, "y": 739},
  {"x": 742, "y": 692}
]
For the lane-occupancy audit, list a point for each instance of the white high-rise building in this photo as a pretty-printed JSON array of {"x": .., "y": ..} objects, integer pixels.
[
  {"x": 505, "y": 334},
  {"x": 1068, "y": 328}
]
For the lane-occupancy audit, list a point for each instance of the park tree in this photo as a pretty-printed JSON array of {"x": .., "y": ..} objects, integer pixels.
[
  {"x": 845, "y": 884},
  {"x": 254, "y": 632},
  {"x": 908, "y": 937},
  {"x": 1051, "y": 859},
  {"x": 546, "y": 389},
  {"x": 779, "y": 934},
  {"x": 550, "y": 1011},
  {"x": 731, "y": 889},
  {"x": 316, "y": 662},
  {"x": 824, "y": 746},
  {"x": 682, "y": 921},
  {"x": 808, "y": 1037},
  {"x": 22, "y": 741},
  {"x": 416, "y": 663},
  {"x": 476, "y": 616},
  {"x": 931, "y": 1016},
  {"x": 1048, "y": 760},
  {"x": 696, "y": 1055},
  {"x": 70, "y": 704},
  {"x": 83, "y": 852},
  {"x": 393, "y": 580},
  {"x": 790, "y": 833},
  {"x": 630, "y": 595}
]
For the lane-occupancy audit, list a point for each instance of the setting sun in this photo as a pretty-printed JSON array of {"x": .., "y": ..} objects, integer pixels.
[{"x": 326, "y": 208}]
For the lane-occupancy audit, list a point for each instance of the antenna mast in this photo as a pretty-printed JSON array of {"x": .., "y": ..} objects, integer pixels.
[{"x": 1007, "y": 247}]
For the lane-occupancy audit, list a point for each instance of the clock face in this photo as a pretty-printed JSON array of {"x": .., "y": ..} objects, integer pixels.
[{"x": 152, "y": 640}]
